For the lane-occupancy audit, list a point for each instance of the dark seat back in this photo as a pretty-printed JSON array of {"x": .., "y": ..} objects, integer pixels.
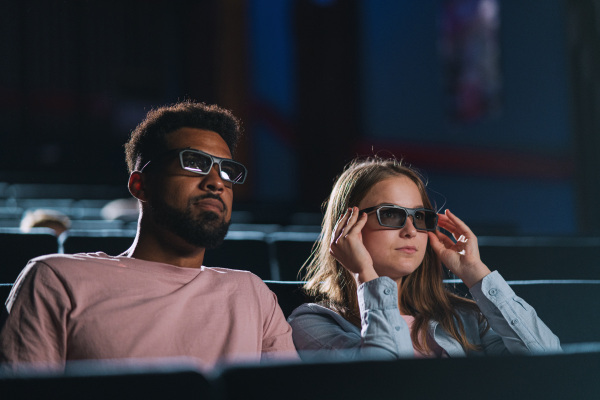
[
  {"x": 292, "y": 249},
  {"x": 542, "y": 257},
  {"x": 565, "y": 376},
  {"x": 110, "y": 241},
  {"x": 152, "y": 379},
  {"x": 5, "y": 289},
  {"x": 289, "y": 295},
  {"x": 246, "y": 250},
  {"x": 569, "y": 308},
  {"x": 18, "y": 248}
]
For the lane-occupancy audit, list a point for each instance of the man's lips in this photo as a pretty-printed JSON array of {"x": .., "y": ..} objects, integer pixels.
[{"x": 211, "y": 204}]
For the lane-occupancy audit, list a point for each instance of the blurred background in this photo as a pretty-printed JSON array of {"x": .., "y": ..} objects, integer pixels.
[{"x": 496, "y": 102}]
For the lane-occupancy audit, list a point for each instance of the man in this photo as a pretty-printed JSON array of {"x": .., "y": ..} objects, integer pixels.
[{"x": 156, "y": 299}]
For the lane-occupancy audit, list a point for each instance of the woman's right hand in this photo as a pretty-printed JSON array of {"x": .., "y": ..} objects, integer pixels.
[{"x": 347, "y": 246}]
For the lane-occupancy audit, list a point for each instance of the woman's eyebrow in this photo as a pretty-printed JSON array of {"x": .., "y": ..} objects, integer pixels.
[{"x": 396, "y": 205}]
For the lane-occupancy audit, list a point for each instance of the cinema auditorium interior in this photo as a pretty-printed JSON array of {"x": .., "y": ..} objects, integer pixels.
[{"x": 495, "y": 103}]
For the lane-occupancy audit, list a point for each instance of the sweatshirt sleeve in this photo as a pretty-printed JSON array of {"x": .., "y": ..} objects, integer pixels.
[
  {"x": 33, "y": 329},
  {"x": 383, "y": 334},
  {"x": 512, "y": 319}
]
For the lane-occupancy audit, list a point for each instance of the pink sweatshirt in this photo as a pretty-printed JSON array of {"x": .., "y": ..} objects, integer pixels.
[{"x": 94, "y": 306}]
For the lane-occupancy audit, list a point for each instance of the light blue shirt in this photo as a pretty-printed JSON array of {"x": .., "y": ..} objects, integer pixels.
[{"x": 514, "y": 325}]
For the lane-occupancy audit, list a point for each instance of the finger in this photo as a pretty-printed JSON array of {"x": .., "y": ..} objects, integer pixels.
[
  {"x": 449, "y": 226},
  {"x": 439, "y": 242},
  {"x": 435, "y": 242},
  {"x": 351, "y": 221},
  {"x": 444, "y": 220},
  {"x": 464, "y": 234},
  {"x": 460, "y": 231},
  {"x": 458, "y": 222},
  {"x": 339, "y": 227},
  {"x": 353, "y": 216},
  {"x": 359, "y": 224},
  {"x": 445, "y": 240}
]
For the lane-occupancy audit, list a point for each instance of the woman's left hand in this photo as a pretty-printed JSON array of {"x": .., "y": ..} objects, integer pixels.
[{"x": 461, "y": 258}]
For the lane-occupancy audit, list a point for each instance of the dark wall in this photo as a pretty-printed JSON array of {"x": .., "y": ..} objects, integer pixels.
[
  {"x": 316, "y": 83},
  {"x": 77, "y": 76}
]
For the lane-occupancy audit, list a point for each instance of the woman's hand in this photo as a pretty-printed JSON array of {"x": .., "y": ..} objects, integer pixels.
[
  {"x": 347, "y": 246},
  {"x": 462, "y": 257}
]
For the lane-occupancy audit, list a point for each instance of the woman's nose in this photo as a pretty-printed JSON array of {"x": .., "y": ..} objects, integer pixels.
[{"x": 409, "y": 230}]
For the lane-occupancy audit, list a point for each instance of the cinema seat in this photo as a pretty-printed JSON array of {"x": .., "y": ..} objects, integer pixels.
[
  {"x": 289, "y": 295},
  {"x": 568, "y": 307},
  {"x": 127, "y": 379},
  {"x": 291, "y": 250},
  {"x": 18, "y": 248},
  {"x": 4, "y": 291},
  {"x": 542, "y": 257},
  {"x": 240, "y": 250},
  {"x": 246, "y": 250},
  {"x": 112, "y": 242},
  {"x": 564, "y": 376}
]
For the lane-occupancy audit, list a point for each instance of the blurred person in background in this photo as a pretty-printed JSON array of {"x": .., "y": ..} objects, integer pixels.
[
  {"x": 45, "y": 218},
  {"x": 126, "y": 210}
]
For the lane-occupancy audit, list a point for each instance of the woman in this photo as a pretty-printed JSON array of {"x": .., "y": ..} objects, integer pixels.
[{"x": 377, "y": 275}]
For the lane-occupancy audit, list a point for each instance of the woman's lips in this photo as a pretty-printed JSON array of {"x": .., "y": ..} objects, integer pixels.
[{"x": 407, "y": 249}]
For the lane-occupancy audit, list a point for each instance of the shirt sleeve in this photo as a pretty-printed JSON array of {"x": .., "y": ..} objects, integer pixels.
[
  {"x": 34, "y": 327},
  {"x": 383, "y": 335},
  {"x": 277, "y": 340},
  {"x": 515, "y": 326}
]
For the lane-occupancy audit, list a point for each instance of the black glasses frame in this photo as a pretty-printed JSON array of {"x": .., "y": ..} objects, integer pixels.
[
  {"x": 214, "y": 160},
  {"x": 410, "y": 212}
]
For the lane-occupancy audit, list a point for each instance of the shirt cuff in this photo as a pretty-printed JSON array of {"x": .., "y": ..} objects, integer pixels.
[
  {"x": 491, "y": 291},
  {"x": 378, "y": 294}
]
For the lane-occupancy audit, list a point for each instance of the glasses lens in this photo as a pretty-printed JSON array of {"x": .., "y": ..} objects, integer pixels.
[
  {"x": 232, "y": 171},
  {"x": 425, "y": 220},
  {"x": 196, "y": 162},
  {"x": 393, "y": 217}
]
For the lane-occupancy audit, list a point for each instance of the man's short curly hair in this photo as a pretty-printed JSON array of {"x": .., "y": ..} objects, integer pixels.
[{"x": 148, "y": 139}]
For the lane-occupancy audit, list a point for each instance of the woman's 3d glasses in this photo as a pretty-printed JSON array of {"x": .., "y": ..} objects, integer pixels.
[
  {"x": 201, "y": 163},
  {"x": 393, "y": 216}
]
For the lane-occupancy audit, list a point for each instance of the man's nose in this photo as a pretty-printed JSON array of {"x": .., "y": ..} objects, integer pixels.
[{"x": 212, "y": 181}]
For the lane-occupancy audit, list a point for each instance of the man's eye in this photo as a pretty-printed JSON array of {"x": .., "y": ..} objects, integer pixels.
[{"x": 195, "y": 163}]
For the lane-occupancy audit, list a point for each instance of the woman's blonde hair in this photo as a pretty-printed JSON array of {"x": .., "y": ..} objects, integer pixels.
[{"x": 422, "y": 293}]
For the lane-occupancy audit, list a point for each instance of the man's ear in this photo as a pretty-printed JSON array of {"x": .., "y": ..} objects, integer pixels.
[{"x": 136, "y": 185}]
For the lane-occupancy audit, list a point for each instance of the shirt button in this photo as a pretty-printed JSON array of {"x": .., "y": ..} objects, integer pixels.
[
  {"x": 514, "y": 322},
  {"x": 493, "y": 292},
  {"x": 398, "y": 328},
  {"x": 387, "y": 291}
]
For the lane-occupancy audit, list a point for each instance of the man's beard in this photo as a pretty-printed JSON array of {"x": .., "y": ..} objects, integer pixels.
[{"x": 206, "y": 229}]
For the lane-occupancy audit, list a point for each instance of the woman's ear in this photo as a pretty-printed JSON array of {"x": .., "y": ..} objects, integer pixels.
[{"x": 136, "y": 185}]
